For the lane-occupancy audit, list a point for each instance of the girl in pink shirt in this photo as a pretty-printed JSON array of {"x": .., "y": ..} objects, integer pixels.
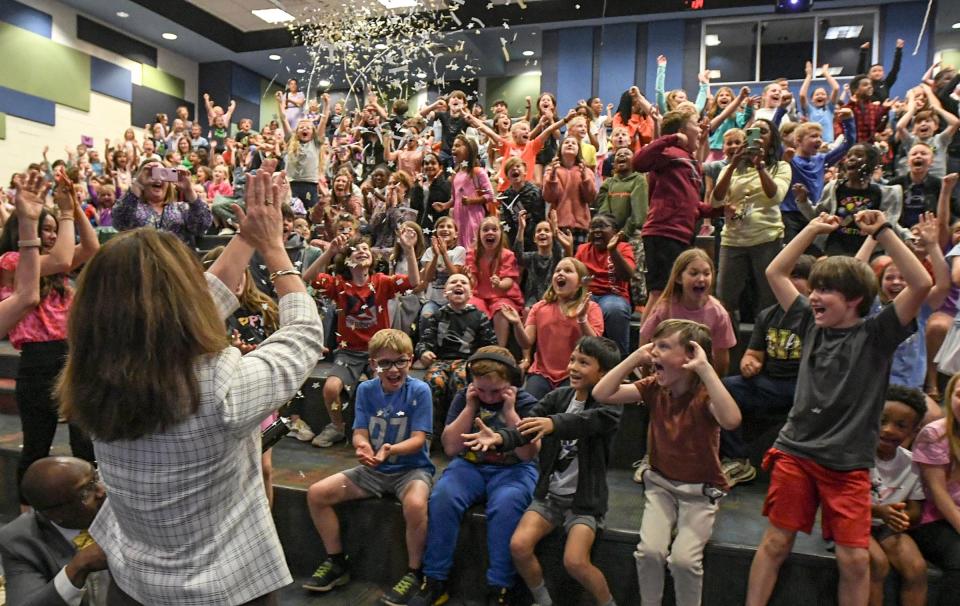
[
  {"x": 471, "y": 190},
  {"x": 220, "y": 185},
  {"x": 495, "y": 277},
  {"x": 570, "y": 188},
  {"x": 555, "y": 324}
]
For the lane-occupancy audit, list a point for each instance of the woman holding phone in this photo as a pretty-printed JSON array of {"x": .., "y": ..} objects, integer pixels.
[{"x": 163, "y": 198}]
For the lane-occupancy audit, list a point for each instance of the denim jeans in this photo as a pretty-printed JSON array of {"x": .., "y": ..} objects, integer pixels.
[
  {"x": 753, "y": 395},
  {"x": 616, "y": 319}
]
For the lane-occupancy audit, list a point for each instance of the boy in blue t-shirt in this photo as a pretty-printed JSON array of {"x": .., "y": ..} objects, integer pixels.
[
  {"x": 394, "y": 417},
  {"x": 819, "y": 108}
]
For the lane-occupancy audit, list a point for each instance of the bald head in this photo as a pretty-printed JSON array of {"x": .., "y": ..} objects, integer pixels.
[{"x": 60, "y": 483}]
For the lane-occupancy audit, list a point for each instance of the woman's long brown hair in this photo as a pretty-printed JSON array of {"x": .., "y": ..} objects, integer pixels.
[{"x": 140, "y": 318}]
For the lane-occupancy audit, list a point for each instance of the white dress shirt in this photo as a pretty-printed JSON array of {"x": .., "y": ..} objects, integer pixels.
[{"x": 186, "y": 520}]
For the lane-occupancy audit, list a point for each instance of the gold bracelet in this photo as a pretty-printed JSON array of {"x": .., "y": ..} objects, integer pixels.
[{"x": 283, "y": 272}]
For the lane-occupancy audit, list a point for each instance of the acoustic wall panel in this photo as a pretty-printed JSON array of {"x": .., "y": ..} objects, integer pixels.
[
  {"x": 114, "y": 41},
  {"x": 147, "y": 103},
  {"x": 111, "y": 79},
  {"x": 245, "y": 85},
  {"x": 162, "y": 81},
  {"x": 27, "y": 107},
  {"x": 3, "y": 125},
  {"x": 245, "y": 109},
  {"x": 26, "y": 17},
  {"x": 37, "y": 66}
]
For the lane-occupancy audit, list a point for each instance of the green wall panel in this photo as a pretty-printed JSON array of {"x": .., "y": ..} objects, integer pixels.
[
  {"x": 268, "y": 102},
  {"x": 160, "y": 80},
  {"x": 37, "y": 66},
  {"x": 514, "y": 91},
  {"x": 3, "y": 125}
]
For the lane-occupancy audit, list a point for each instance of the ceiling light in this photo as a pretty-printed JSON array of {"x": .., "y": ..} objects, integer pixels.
[
  {"x": 274, "y": 57},
  {"x": 956, "y": 25},
  {"x": 123, "y": 14},
  {"x": 301, "y": 71},
  {"x": 168, "y": 36},
  {"x": 272, "y": 15},
  {"x": 390, "y": 4},
  {"x": 323, "y": 83},
  {"x": 841, "y": 32},
  {"x": 711, "y": 40},
  {"x": 527, "y": 53}
]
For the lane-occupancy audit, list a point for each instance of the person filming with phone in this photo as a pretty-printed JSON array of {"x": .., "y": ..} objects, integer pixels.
[{"x": 163, "y": 198}]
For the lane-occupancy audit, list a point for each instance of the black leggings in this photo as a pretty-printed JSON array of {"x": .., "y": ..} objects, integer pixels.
[
  {"x": 939, "y": 543},
  {"x": 40, "y": 363}
]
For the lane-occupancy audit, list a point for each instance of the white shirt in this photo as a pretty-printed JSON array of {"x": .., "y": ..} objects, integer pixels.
[
  {"x": 186, "y": 520},
  {"x": 895, "y": 481}
]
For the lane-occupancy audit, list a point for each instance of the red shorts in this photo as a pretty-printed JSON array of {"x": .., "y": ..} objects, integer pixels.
[
  {"x": 492, "y": 305},
  {"x": 798, "y": 486}
]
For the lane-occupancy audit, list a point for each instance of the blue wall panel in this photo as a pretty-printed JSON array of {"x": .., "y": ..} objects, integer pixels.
[
  {"x": 574, "y": 66},
  {"x": 27, "y": 107},
  {"x": 665, "y": 38},
  {"x": 246, "y": 85},
  {"x": 111, "y": 79},
  {"x": 147, "y": 103},
  {"x": 26, "y": 17},
  {"x": 904, "y": 21},
  {"x": 617, "y": 63}
]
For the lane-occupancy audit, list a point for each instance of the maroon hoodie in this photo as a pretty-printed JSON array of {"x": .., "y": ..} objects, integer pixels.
[{"x": 675, "y": 179}]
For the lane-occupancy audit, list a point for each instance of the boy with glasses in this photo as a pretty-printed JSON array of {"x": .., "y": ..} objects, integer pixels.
[{"x": 394, "y": 417}]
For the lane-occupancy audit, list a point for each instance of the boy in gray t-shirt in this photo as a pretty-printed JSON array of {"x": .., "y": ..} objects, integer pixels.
[{"x": 823, "y": 454}]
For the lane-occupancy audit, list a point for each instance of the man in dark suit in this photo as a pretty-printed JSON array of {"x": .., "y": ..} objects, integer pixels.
[{"x": 49, "y": 558}]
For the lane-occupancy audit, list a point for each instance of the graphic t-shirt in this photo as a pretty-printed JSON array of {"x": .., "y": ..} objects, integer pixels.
[
  {"x": 362, "y": 309},
  {"x": 895, "y": 481},
  {"x": 249, "y": 324},
  {"x": 847, "y": 239},
  {"x": 457, "y": 256},
  {"x": 780, "y": 336},
  {"x": 563, "y": 480},
  {"x": 493, "y": 417},
  {"x": 391, "y": 418}
]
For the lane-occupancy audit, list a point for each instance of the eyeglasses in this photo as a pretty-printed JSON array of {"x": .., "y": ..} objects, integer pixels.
[
  {"x": 399, "y": 363},
  {"x": 84, "y": 494}
]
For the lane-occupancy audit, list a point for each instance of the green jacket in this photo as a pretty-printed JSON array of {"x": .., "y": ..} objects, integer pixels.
[{"x": 626, "y": 199}]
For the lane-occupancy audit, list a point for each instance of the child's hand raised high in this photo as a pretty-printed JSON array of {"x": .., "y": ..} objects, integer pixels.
[
  {"x": 929, "y": 229},
  {"x": 537, "y": 427},
  {"x": 870, "y": 221},
  {"x": 483, "y": 439},
  {"x": 824, "y": 224},
  {"x": 337, "y": 244}
]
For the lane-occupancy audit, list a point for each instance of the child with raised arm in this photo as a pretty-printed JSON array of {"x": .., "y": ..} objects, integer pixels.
[
  {"x": 688, "y": 405},
  {"x": 819, "y": 107},
  {"x": 575, "y": 432},
  {"x": 823, "y": 454},
  {"x": 926, "y": 129}
]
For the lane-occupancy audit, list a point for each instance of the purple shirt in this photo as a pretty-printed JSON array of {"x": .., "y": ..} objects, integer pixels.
[{"x": 187, "y": 221}]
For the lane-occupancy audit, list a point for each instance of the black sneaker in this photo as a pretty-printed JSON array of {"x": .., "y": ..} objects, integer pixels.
[
  {"x": 327, "y": 576},
  {"x": 401, "y": 593},
  {"x": 498, "y": 596},
  {"x": 432, "y": 593}
]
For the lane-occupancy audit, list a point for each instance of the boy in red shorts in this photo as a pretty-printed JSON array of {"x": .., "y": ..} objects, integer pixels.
[{"x": 823, "y": 455}]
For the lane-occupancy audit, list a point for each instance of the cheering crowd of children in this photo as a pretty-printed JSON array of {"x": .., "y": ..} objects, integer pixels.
[{"x": 507, "y": 257}]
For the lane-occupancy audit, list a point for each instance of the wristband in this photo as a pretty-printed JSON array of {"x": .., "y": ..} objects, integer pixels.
[
  {"x": 283, "y": 272},
  {"x": 879, "y": 231},
  {"x": 35, "y": 243},
  {"x": 66, "y": 218}
]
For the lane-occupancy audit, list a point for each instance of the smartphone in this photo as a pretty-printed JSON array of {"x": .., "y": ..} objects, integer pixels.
[
  {"x": 753, "y": 137},
  {"x": 160, "y": 173}
]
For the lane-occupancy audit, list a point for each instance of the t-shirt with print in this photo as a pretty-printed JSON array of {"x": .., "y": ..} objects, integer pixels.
[
  {"x": 457, "y": 256},
  {"x": 601, "y": 267},
  {"x": 895, "y": 481},
  {"x": 557, "y": 335},
  {"x": 835, "y": 418},
  {"x": 780, "y": 336},
  {"x": 684, "y": 434},
  {"x": 249, "y": 326},
  {"x": 931, "y": 448},
  {"x": 450, "y": 127},
  {"x": 712, "y": 315},
  {"x": 362, "y": 309},
  {"x": 492, "y": 417},
  {"x": 847, "y": 239},
  {"x": 563, "y": 480},
  {"x": 391, "y": 418}
]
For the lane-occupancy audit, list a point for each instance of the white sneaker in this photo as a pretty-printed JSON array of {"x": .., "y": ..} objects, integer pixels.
[
  {"x": 641, "y": 467},
  {"x": 329, "y": 436},
  {"x": 301, "y": 431}
]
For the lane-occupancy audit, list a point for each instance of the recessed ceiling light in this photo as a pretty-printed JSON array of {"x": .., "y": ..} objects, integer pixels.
[
  {"x": 301, "y": 71},
  {"x": 272, "y": 15},
  {"x": 956, "y": 25},
  {"x": 527, "y": 53},
  {"x": 399, "y": 3},
  {"x": 168, "y": 36},
  {"x": 123, "y": 14},
  {"x": 274, "y": 57},
  {"x": 323, "y": 83}
]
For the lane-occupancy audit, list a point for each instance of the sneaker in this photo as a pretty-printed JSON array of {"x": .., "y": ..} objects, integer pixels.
[
  {"x": 738, "y": 471},
  {"x": 329, "y": 436},
  {"x": 327, "y": 576},
  {"x": 432, "y": 593},
  {"x": 641, "y": 467},
  {"x": 405, "y": 588},
  {"x": 498, "y": 596},
  {"x": 301, "y": 431}
]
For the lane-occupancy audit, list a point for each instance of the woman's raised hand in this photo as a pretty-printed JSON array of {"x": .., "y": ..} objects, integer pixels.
[{"x": 261, "y": 224}]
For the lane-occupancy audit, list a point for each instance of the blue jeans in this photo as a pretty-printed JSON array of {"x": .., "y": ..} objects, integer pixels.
[
  {"x": 539, "y": 386},
  {"x": 616, "y": 320},
  {"x": 756, "y": 394},
  {"x": 507, "y": 489}
]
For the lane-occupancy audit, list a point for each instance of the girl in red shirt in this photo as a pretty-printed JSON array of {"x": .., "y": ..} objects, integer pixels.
[{"x": 495, "y": 277}]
